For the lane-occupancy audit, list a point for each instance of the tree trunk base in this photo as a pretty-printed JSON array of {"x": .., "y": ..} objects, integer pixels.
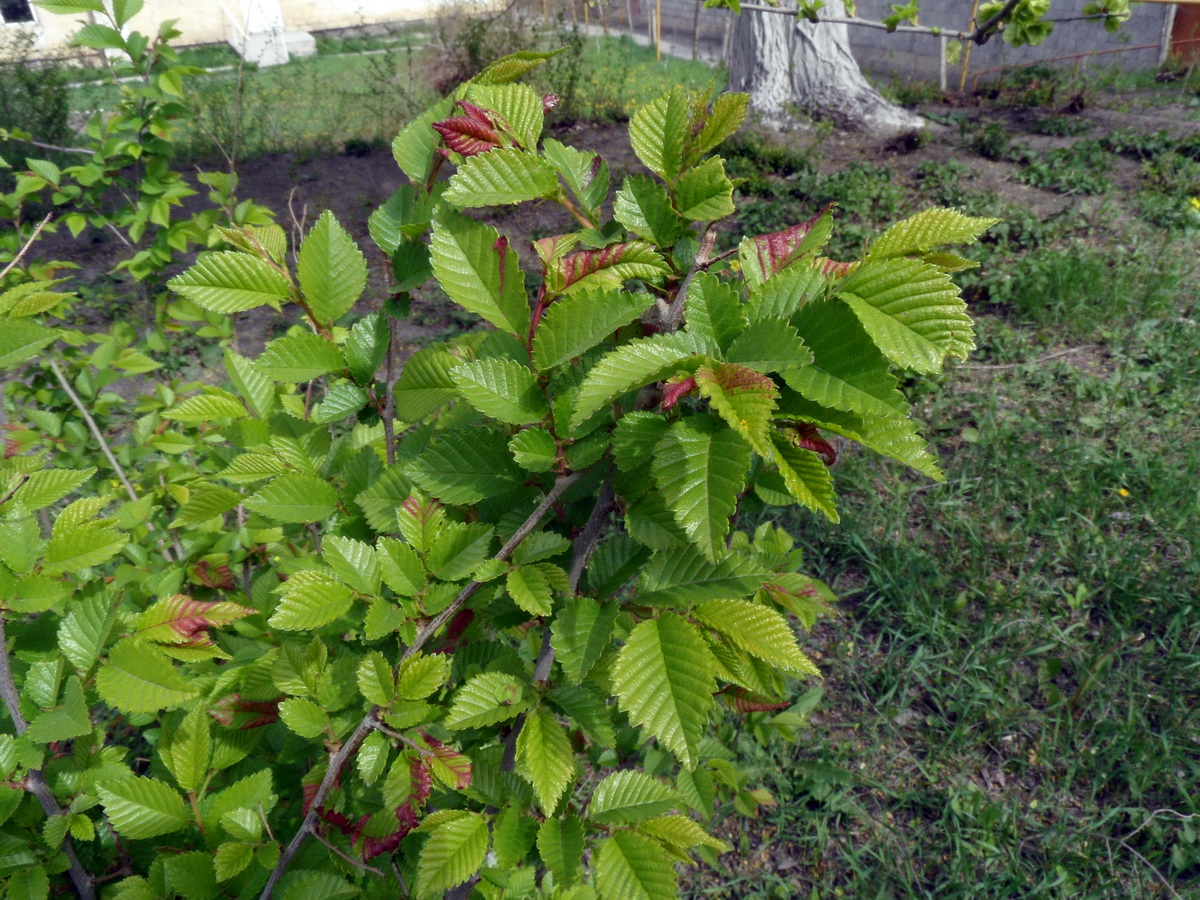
[{"x": 786, "y": 65}]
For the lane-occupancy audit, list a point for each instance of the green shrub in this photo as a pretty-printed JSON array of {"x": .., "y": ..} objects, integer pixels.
[{"x": 485, "y": 617}]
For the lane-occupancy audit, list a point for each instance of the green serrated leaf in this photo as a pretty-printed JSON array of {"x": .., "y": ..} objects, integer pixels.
[
  {"x": 204, "y": 502},
  {"x": 848, "y": 372},
  {"x": 579, "y": 321},
  {"x": 466, "y": 465},
  {"x": 532, "y": 587},
  {"x": 189, "y": 750},
  {"x": 69, "y": 720},
  {"x": 487, "y": 699},
  {"x": 415, "y": 147},
  {"x": 928, "y": 229},
  {"x": 229, "y": 282},
  {"x": 502, "y": 389},
  {"x": 700, "y": 468},
  {"x": 683, "y": 577},
  {"x": 425, "y": 383},
  {"x": 400, "y": 567},
  {"x": 744, "y": 398},
  {"x": 759, "y": 630},
  {"x": 807, "y": 478},
  {"x": 912, "y": 311},
  {"x": 300, "y": 357},
  {"x": 783, "y": 294},
  {"x": 658, "y": 133},
  {"x": 140, "y": 808},
  {"x": 331, "y": 269},
  {"x": 513, "y": 837},
  {"x": 20, "y": 341},
  {"x": 375, "y": 680},
  {"x": 534, "y": 449},
  {"x": 560, "y": 845},
  {"x": 634, "y": 365},
  {"x": 501, "y": 177},
  {"x": 139, "y": 678},
  {"x": 643, "y": 207},
  {"x": 295, "y": 497},
  {"x": 214, "y": 403},
  {"x": 342, "y": 400},
  {"x": 80, "y": 547},
  {"x": 588, "y": 709},
  {"x": 623, "y": 798},
  {"x": 303, "y": 717},
  {"x": 354, "y": 562},
  {"x": 632, "y": 867},
  {"x": 47, "y": 486},
  {"x": 508, "y": 69},
  {"x": 726, "y": 117},
  {"x": 580, "y": 634},
  {"x": 681, "y": 833},
  {"x": 545, "y": 757},
  {"x": 705, "y": 193},
  {"x": 255, "y": 387},
  {"x": 421, "y": 676},
  {"x": 663, "y": 678},
  {"x": 479, "y": 271},
  {"x": 714, "y": 310},
  {"x": 453, "y": 853},
  {"x": 310, "y": 600}
]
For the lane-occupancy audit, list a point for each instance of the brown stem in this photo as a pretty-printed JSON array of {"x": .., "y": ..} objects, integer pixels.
[
  {"x": 34, "y": 780},
  {"x": 389, "y": 397},
  {"x": 370, "y": 720},
  {"x": 24, "y": 478}
]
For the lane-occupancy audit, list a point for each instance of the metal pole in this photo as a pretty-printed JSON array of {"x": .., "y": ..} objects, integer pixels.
[{"x": 942, "y": 64}]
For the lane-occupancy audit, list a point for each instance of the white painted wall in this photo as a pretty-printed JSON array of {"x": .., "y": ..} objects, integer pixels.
[{"x": 212, "y": 21}]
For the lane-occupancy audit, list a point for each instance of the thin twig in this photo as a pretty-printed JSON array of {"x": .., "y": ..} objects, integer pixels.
[
  {"x": 25, "y": 476},
  {"x": 104, "y": 448},
  {"x": 357, "y": 863},
  {"x": 1158, "y": 812},
  {"x": 370, "y": 721},
  {"x": 1149, "y": 865},
  {"x": 34, "y": 780},
  {"x": 56, "y": 147},
  {"x": 92, "y": 426},
  {"x": 671, "y": 312},
  {"x": 984, "y": 32},
  {"x": 389, "y": 396},
  {"x": 981, "y": 35},
  {"x": 24, "y": 249}
]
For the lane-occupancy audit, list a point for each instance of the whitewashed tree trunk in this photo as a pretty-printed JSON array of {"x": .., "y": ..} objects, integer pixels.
[{"x": 786, "y": 64}]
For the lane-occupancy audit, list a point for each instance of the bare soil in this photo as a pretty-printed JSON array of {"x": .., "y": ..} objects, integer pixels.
[{"x": 300, "y": 188}]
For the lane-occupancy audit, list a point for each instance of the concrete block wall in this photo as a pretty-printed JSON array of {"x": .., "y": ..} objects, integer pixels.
[{"x": 916, "y": 55}]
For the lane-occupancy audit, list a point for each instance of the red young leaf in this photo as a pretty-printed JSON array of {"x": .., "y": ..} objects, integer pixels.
[
  {"x": 182, "y": 620},
  {"x": 350, "y": 829},
  {"x": 778, "y": 249},
  {"x": 457, "y": 764},
  {"x": 833, "y": 267},
  {"x": 549, "y": 101},
  {"x": 234, "y": 712},
  {"x": 469, "y": 135},
  {"x": 638, "y": 257},
  {"x": 213, "y": 576},
  {"x": 805, "y": 434},
  {"x": 422, "y": 783},
  {"x": 743, "y": 702},
  {"x": 673, "y": 391}
]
